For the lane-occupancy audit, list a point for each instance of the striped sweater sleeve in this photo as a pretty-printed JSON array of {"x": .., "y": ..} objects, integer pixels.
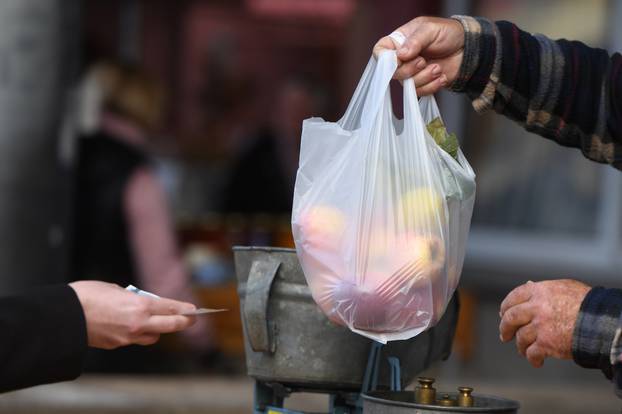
[
  {"x": 572, "y": 94},
  {"x": 562, "y": 90}
]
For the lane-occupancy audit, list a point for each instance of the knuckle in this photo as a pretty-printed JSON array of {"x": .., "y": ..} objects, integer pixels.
[
  {"x": 424, "y": 76},
  {"x": 120, "y": 341},
  {"x": 520, "y": 337},
  {"x": 134, "y": 327},
  {"x": 520, "y": 350},
  {"x": 541, "y": 309},
  {"x": 536, "y": 322},
  {"x": 142, "y": 305},
  {"x": 170, "y": 325},
  {"x": 414, "y": 42},
  {"x": 540, "y": 288},
  {"x": 503, "y": 326},
  {"x": 179, "y": 323},
  {"x": 108, "y": 345},
  {"x": 524, "y": 339},
  {"x": 152, "y": 339},
  {"x": 420, "y": 20},
  {"x": 510, "y": 316},
  {"x": 521, "y": 344},
  {"x": 401, "y": 75}
]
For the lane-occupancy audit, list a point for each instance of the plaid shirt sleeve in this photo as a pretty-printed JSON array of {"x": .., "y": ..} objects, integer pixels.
[
  {"x": 597, "y": 335},
  {"x": 562, "y": 90}
]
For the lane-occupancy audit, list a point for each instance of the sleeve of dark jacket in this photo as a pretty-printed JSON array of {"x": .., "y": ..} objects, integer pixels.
[
  {"x": 572, "y": 94},
  {"x": 562, "y": 90},
  {"x": 42, "y": 337}
]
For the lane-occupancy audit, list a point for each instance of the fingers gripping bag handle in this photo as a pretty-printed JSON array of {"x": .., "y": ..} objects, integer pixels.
[{"x": 372, "y": 88}]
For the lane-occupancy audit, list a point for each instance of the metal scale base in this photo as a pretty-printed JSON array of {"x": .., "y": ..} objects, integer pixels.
[{"x": 269, "y": 397}]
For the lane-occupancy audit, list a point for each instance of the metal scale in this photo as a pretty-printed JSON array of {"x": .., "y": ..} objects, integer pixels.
[
  {"x": 291, "y": 347},
  {"x": 269, "y": 397}
]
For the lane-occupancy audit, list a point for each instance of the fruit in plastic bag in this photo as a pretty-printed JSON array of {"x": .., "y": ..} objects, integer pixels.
[
  {"x": 421, "y": 205},
  {"x": 448, "y": 142},
  {"x": 368, "y": 300},
  {"x": 323, "y": 226},
  {"x": 381, "y": 212}
]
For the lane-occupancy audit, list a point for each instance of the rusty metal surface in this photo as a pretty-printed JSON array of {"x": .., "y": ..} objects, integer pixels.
[
  {"x": 258, "y": 329},
  {"x": 306, "y": 349}
]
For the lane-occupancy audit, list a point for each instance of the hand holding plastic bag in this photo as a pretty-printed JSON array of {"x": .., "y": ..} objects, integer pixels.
[{"x": 381, "y": 213}]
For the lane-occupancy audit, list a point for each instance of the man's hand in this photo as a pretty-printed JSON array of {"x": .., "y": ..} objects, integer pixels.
[
  {"x": 116, "y": 317},
  {"x": 542, "y": 316},
  {"x": 431, "y": 54}
]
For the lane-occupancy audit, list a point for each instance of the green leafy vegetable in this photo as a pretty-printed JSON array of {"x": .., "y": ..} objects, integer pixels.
[{"x": 448, "y": 142}]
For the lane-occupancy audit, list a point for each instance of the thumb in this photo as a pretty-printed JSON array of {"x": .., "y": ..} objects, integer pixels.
[
  {"x": 386, "y": 43},
  {"x": 415, "y": 43}
]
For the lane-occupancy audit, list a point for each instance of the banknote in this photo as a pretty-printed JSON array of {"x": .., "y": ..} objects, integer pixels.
[
  {"x": 141, "y": 292},
  {"x": 199, "y": 311},
  {"x": 203, "y": 311}
]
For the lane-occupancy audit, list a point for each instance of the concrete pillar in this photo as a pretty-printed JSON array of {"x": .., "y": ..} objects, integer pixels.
[{"x": 38, "y": 60}]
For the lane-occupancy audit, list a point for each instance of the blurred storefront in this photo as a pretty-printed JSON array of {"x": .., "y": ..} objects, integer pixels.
[
  {"x": 542, "y": 211},
  {"x": 227, "y": 66}
]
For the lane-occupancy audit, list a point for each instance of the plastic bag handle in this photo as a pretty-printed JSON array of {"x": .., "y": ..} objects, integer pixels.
[
  {"x": 411, "y": 102},
  {"x": 378, "y": 87},
  {"x": 383, "y": 72},
  {"x": 372, "y": 92}
]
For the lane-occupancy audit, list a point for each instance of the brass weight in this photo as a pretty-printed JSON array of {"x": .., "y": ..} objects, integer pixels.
[
  {"x": 447, "y": 401},
  {"x": 425, "y": 393},
  {"x": 465, "y": 399}
]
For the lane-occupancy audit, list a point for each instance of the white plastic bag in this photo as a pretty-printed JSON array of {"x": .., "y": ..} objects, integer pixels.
[{"x": 381, "y": 214}]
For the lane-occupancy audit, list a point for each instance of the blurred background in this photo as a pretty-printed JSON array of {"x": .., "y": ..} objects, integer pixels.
[{"x": 145, "y": 138}]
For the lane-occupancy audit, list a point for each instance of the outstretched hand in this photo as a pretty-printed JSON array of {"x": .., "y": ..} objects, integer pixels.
[
  {"x": 542, "y": 317},
  {"x": 116, "y": 317}
]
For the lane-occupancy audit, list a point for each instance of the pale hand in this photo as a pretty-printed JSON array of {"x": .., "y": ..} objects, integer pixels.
[
  {"x": 116, "y": 317},
  {"x": 431, "y": 54},
  {"x": 542, "y": 317}
]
